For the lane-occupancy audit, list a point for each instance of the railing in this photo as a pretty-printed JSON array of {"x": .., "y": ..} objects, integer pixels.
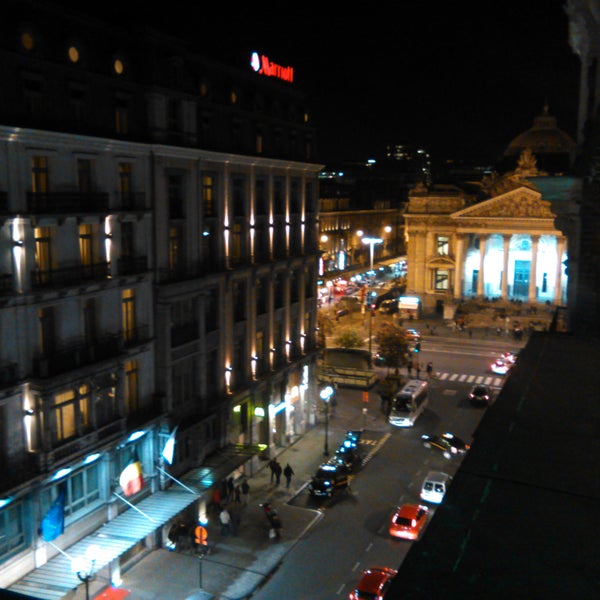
[
  {"x": 133, "y": 201},
  {"x": 136, "y": 336},
  {"x": 76, "y": 356},
  {"x": 9, "y": 374},
  {"x": 67, "y": 202},
  {"x": 347, "y": 377},
  {"x": 69, "y": 275},
  {"x": 132, "y": 265}
]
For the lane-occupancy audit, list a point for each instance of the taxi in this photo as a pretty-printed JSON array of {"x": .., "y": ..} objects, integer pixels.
[{"x": 330, "y": 478}]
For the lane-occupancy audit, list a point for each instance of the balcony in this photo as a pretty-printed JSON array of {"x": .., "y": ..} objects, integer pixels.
[
  {"x": 136, "y": 336},
  {"x": 67, "y": 202},
  {"x": 132, "y": 202},
  {"x": 76, "y": 356},
  {"x": 9, "y": 374},
  {"x": 184, "y": 334},
  {"x": 132, "y": 265},
  {"x": 69, "y": 275}
]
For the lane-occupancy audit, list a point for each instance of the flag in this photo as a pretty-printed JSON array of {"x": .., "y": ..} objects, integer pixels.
[
  {"x": 53, "y": 523},
  {"x": 169, "y": 448},
  {"x": 132, "y": 479}
]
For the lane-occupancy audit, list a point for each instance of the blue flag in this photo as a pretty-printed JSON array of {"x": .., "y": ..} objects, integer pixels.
[{"x": 53, "y": 523}]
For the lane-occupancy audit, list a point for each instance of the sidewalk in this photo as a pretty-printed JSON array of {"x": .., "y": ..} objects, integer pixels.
[{"x": 239, "y": 564}]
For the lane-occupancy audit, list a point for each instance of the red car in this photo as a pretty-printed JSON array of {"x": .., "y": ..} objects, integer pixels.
[
  {"x": 373, "y": 584},
  {"x": 408, "y": 521}
]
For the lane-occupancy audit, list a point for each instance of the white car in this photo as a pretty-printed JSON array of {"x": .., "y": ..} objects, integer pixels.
[
  {"x": 435, "y": 486},
  {"x": 500, "y": 366}
]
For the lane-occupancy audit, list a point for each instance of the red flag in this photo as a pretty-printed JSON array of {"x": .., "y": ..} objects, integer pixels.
[{"x": 132, "y": 478}]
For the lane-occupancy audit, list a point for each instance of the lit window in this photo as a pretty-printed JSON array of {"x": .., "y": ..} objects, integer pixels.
[
  {"x": 27, "y": 41},
  {"x": 442, "y": 245},
  {"x": 233, "y": 97},
  {"x": 441, "y": 280},
  {"x": 73, "y": 54},
  {"x": 118, "y": 66}
]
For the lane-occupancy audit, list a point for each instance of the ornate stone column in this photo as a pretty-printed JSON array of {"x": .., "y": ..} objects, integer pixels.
[
  {"x": 480, "y": 282},
  {"x": 533, "y": 269},
  {"x": 560, "y": 252},
  {"x": 504, "y": 284},
  {"x": 459, "y": 267}
]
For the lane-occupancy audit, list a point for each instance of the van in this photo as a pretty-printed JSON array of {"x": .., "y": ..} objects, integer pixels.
[
  {"x": 409, "y": 403},
  {"x": 435, "y": 486}
]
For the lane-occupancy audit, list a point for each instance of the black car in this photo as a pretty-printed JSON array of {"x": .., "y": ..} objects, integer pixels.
[
  {"x": 330, "y": 478},
  {"x": 348, "y": 455},
  {"x": 480, "y": 395},
  {"x": 449, "y": 444}
]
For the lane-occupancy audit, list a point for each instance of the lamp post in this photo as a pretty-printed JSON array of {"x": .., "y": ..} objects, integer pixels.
[
  {"x": 326, "y": 394},
  {"x": 83, "y": 567},
  {"x": 371, "y": 241}
]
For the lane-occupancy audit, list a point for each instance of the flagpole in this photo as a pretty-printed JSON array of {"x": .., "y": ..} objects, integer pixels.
[
  {"x": 177, "y": 481},
  {"x": 135, "y": 507},
  {"x": 60, "y": 550}
]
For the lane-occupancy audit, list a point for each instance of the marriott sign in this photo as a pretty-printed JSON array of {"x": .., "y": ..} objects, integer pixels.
[{"x": 263, "y": 66}]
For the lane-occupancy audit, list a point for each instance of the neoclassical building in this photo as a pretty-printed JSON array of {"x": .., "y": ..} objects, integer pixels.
[{"x": 511, "y": 244}]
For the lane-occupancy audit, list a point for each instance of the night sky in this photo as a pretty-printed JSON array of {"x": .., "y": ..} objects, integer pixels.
[{"x": 460, "y": 78}]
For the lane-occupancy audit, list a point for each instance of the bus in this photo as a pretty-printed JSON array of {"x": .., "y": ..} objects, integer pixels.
[{"x": 409, "y": 403}]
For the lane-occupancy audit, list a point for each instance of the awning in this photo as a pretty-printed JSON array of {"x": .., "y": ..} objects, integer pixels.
[{"x": 55, "y": 579}]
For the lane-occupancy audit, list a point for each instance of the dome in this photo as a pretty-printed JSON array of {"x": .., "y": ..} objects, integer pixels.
[
  {"x": 544, "y": 137},
  {"x": 553, "y": 148}
]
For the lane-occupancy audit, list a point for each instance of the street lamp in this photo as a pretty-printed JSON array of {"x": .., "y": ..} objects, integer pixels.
[
  {"x": 326, "y": 394},
  {"x": 83, "y": 567},
  {"x": 371, "y": 241}
]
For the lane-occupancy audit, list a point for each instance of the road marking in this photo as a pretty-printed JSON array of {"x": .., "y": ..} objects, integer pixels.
[{"x": 490, "y": 380}]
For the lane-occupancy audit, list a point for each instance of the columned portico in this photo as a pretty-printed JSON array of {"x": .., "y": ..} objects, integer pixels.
[
  {"x": 481, "y": 275},
  {"x": 504, "y": 284},
  {"x": 532, "y": 297}
]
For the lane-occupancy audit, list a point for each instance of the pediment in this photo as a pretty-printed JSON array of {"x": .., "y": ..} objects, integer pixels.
[
  {"x": 439, "y": 261},
  {"x": 520, "y": 203}
]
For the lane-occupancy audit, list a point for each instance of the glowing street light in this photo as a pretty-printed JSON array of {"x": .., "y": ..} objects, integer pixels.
[
  {"x": 326, "y": 394},
  {"x": 83, "y": 567},
  {"x": 371, "y": 241}
]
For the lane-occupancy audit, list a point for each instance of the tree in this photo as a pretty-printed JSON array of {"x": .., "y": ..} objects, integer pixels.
[
  {"x": 349, "y": 338},
  {"x": 393, "y": 344},
  {"x": 325, "y": 323}
]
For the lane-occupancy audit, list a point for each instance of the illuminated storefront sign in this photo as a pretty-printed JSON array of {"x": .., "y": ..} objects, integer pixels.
[{"x": 263, "y": 66}]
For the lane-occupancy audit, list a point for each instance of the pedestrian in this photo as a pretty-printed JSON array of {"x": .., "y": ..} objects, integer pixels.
[
  {"x": 273, "y": 467},
  {"x": 418, "y": 367},
  {"x": 230, "y": 487},
  {"x": 217, "y": 499},
  {"x": 288, "y": 472},
  {"x": 225, "y": 519},
  {"x": 245, "y": 490},
  {"x": 429, "y": 370},
  {"x": 278, "y": 471},
  {"x": 237, "y": 493},
  {"x": 409, "y": 369}
]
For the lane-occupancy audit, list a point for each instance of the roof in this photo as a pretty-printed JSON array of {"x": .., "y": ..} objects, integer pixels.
[{"x": 521, "y": 518}]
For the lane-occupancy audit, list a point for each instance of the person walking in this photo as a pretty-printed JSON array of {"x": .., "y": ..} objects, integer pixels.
[
  {"x": 418, "y": 367},
  {"x": 225, "y": 519},
  {"x": 230, "y": 488},
  {"x": 245, "y": 491},
  {"x": 287, "y": 473},
  {"x": 409, "y": 369},
  {"x": 273, "y": 467},
  {"x": 237, "y": 495},
  {"x": 278, "y": 471},
  {"x": 429, "y": 370}
]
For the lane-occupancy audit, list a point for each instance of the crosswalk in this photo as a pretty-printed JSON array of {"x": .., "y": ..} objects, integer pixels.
[{"x": 491, "y": 380}]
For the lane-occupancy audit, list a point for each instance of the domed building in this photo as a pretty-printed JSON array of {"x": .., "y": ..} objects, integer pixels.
[{"x": 553, "y": 148}]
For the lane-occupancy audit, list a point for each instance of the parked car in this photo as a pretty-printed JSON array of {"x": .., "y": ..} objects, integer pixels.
[
  {"x": 408, "y": 521},
  {"x": 348, "y": 455},
  {"x": 435, "y": 485},
  {"x": 373, "y": 584},
  {"x": 330, "y": 478},
  {"x": 480, "y": 395},
  {"x": 449, "y": 444}
]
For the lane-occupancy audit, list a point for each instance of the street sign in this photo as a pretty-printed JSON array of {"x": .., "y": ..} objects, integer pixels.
[
  {"x": 365, "y": 396},
  {"x": 201, "y": 536}
]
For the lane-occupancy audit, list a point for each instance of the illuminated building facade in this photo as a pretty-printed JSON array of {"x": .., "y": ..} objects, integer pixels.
[{"x": 159, "y": 265}]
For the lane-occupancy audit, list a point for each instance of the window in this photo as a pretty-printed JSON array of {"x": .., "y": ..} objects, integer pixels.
[
  {"x": 127, "y": 244},
  {"x": 441, "y": 280},
  {"x": 64, "y": 416},
  {"x": 175, "y": 196},
  {"x": 89, "y": 321},
  {"x": 43, "y": 252},
  {"x": 84, "y": 398},
  {"x": 47, "y": 330},
  {"x": 39, "y": 174},
  {"x": 12, "y": 529},
  {"x": 175, "y": 249},
  {"x": 174, "y": 116},
  {"x": 73, "y": 54},
  {"x": 125, "y": 181},
  {"x": 184, "y": 387},
  {"x": 236, "y": 244},
  {"x": 442, "y": 245},
  {"x": 33, "y": 96},
  {"x": 84, "y": 175},
  {"x": 86, "y": 244},
  {"x": 261, "y": 198},
  {"x": 132, "y": 402},
  {"x": 121, "y": 115},
  {"x": 77, "y": 104},
  {"x": 128, "y": 315},
  {"x": 208, "y": 195},
  {"x": 238, "y": 185},
  {"x": 279, "y": 196}
]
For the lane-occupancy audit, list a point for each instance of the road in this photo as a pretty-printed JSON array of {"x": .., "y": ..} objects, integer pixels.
[{"x": 352, "y": 535}]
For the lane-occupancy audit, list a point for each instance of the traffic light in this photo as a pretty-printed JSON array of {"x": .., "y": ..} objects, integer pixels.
[{"x": 417, "y": 347}]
